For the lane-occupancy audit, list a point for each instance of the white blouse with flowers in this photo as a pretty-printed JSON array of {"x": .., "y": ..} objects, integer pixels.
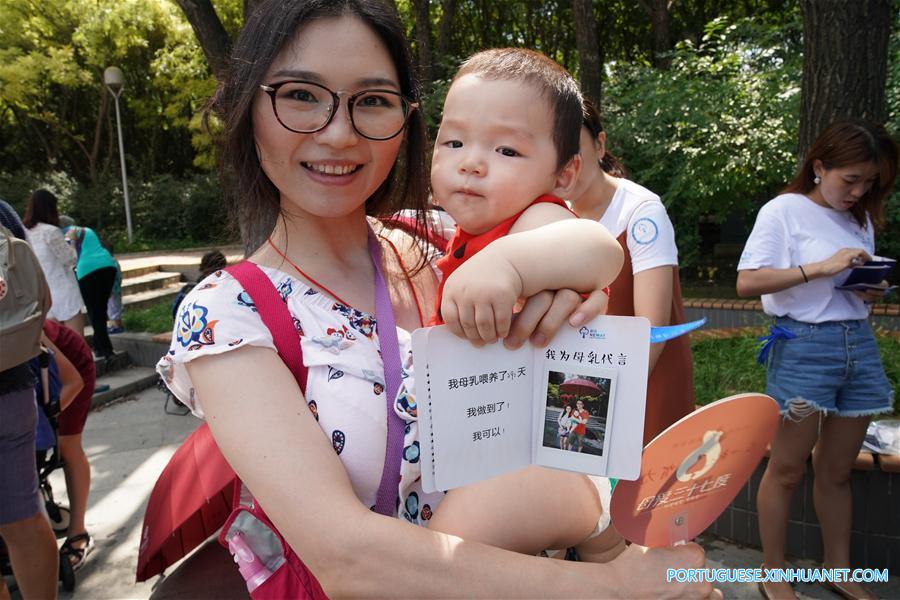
[{"x": 345, "y": 385}]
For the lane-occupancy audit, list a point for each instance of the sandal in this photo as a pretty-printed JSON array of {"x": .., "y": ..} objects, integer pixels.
[
  {"x": 77, "y": 556},
  {"x": 841, "y": 591}
]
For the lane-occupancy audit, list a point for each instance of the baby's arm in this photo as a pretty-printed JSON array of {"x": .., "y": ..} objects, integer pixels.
[
  {"x": 548, "y": 248},
  {"x": 552, "y": 249}
]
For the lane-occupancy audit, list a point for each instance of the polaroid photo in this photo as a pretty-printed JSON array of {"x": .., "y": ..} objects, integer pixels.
[{"x": 574, "y": 424}]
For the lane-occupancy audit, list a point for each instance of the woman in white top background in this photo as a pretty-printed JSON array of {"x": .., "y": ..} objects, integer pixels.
[
  {"x": 823, "y": 366},
  {"x": 648, "y": 284},
  {"x": 57, "y": 259}
]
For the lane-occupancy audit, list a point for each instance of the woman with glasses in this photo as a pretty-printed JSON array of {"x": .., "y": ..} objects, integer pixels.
[
  {"x": 647, "y": 285},
  {"x": 322, "y": 136}
]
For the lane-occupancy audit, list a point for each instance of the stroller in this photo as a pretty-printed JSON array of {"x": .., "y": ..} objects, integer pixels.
[{"x": 48, "y": 459}]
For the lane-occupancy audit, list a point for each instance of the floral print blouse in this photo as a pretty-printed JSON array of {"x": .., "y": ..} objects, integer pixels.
[{"x": 345, "y": 384}]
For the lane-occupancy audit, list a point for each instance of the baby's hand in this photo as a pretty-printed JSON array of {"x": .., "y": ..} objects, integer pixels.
[{"x": 479, "y": 297}]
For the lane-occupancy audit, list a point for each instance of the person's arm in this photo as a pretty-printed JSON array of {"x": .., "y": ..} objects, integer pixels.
[
  {"x": 548, "y": 248},
  {"x": 767, "y": 280},
  {"x": 653, "y": 300},
  {"x": 72, "y": 382},
  {"x": 275, "y": 445}
]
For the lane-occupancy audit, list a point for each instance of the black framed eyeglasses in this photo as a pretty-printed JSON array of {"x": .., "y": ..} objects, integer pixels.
[{"x": 307, "y": 107}]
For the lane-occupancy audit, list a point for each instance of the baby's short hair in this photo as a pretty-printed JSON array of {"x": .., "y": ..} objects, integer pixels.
[{"x": 553, "y": 81}]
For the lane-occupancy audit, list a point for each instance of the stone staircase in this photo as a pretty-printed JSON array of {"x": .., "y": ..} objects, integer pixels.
[
  {"x": 147, "y": 279},
  {"x": 146, "y": 285}
]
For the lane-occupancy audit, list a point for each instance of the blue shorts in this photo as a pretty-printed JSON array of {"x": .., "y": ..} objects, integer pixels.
[
  {"x": 834, "y": 366},
  {"x": 19, "y": 496}
]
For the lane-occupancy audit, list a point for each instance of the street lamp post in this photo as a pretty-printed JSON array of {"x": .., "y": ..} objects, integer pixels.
[{"x": 114, "y": 80}]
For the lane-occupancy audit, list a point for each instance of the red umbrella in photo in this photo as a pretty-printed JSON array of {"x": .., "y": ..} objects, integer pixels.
[
  {"x": 189, "y": 503},
  {"x": 580, "y": 387}
]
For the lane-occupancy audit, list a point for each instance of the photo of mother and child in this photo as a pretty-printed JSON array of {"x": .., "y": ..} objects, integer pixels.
[{"x": 580, "y": 416}]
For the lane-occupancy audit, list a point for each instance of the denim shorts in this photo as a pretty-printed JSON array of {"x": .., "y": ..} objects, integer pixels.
[
  {"x": 19, "y": 496},
  {"x": 834, "y": 366}
]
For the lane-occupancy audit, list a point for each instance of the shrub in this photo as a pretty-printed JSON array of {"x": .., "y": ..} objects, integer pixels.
[
  {"x": 716, "y": 134},
  {"x": 165, "y": 211}
]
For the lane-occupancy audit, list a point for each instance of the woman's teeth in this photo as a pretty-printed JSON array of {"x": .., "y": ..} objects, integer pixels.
[{"x": 331, "y": 169}]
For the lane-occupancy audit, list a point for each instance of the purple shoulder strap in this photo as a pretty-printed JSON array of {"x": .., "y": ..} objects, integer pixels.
[
  {"x": 386, "y": 500},
  {"x": 274, "y": 314}
]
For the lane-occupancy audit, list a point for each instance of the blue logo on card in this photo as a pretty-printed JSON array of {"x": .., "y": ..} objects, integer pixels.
[
  {"x": 644, "y": 231},
  {"x": 591, "y": 334}
]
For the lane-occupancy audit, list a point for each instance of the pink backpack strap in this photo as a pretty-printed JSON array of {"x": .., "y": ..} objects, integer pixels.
[
  {"x": 293, "y": 579},
  {"x": 272, "y": 309}
]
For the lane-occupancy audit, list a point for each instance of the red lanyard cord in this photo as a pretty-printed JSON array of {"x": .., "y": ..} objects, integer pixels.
[{"x": 316, "y": 283}]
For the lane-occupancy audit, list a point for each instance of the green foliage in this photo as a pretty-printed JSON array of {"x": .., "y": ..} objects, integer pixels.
[
  {"x": 189, "y": 210},
  {"x": 889, "y": 345},
  {"x": 155, "y": 319},
  {"x": 54, "y": 110},
  {"x": 724, "y": 367},
  {"x": 889, "y": 241},
  {"x": 716, "y": 134}
]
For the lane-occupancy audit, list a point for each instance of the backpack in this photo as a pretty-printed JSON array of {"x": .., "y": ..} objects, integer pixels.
[{"x": 24, "y": 301}]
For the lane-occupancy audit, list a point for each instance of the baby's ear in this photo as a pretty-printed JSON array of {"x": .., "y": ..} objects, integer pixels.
[{"x": 567, "y": 177}]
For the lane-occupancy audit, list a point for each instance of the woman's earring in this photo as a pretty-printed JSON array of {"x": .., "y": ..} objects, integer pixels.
[{"x": 817, "y": 180}]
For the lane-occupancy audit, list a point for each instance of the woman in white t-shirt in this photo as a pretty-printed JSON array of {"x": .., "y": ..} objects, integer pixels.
[
  {"x": 648, "y": 284},
  {"x": 823, "y": 365},
  {"x": 57, "y": 259}
]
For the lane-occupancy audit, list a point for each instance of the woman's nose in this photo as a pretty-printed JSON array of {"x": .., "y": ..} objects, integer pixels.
[{"x": 339, "y": 132}]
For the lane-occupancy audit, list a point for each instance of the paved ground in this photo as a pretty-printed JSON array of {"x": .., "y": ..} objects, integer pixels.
[{"x": 129, "y": 443}]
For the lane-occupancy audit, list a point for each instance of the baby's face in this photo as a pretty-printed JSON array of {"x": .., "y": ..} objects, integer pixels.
[{"x": 494, "y": 152}]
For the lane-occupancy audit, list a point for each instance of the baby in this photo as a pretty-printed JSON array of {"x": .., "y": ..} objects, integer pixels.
[{"x": 507, "y": 149}]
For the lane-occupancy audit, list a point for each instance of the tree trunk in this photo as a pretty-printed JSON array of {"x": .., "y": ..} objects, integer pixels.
[
  {"x": 249, "y": 6},
  {"x": 845, "y": 47},
  {"x": 658, "y": 11},
  {"x": 445, "y": 29},
  {"x": 589, "y": 65},
  {"x": 210, "y": 32},
  {"x": 423, "y": 41},
  {"x": 94, "y": 156}
]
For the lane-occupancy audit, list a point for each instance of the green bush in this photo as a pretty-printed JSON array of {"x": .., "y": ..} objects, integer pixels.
[
  {"x": 724, "y": 367},
  {"x": 165, "y": 211},
  {"x": 154, "y": 319},
  {"x": 716, "y": 134}
]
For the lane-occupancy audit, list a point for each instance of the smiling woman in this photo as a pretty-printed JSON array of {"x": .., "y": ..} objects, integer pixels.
[{"x": 333, "y": 470}]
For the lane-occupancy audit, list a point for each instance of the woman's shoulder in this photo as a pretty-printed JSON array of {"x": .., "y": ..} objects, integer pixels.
[
  {"x": 789, "y": 202},
  {"x": 41, "y": 231},
  {"x": 636, "y": 201},
  {"x": 635, "y": 193}
]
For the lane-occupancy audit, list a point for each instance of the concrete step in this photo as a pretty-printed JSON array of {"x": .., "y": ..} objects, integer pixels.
[
  {"x": 136, "y": 269},
  {"x": 149, "y": 281},
  {"x": 118, "y": 361},
  {"x": 122, "y": 383},
  {"x": 150, "y": 297}
]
